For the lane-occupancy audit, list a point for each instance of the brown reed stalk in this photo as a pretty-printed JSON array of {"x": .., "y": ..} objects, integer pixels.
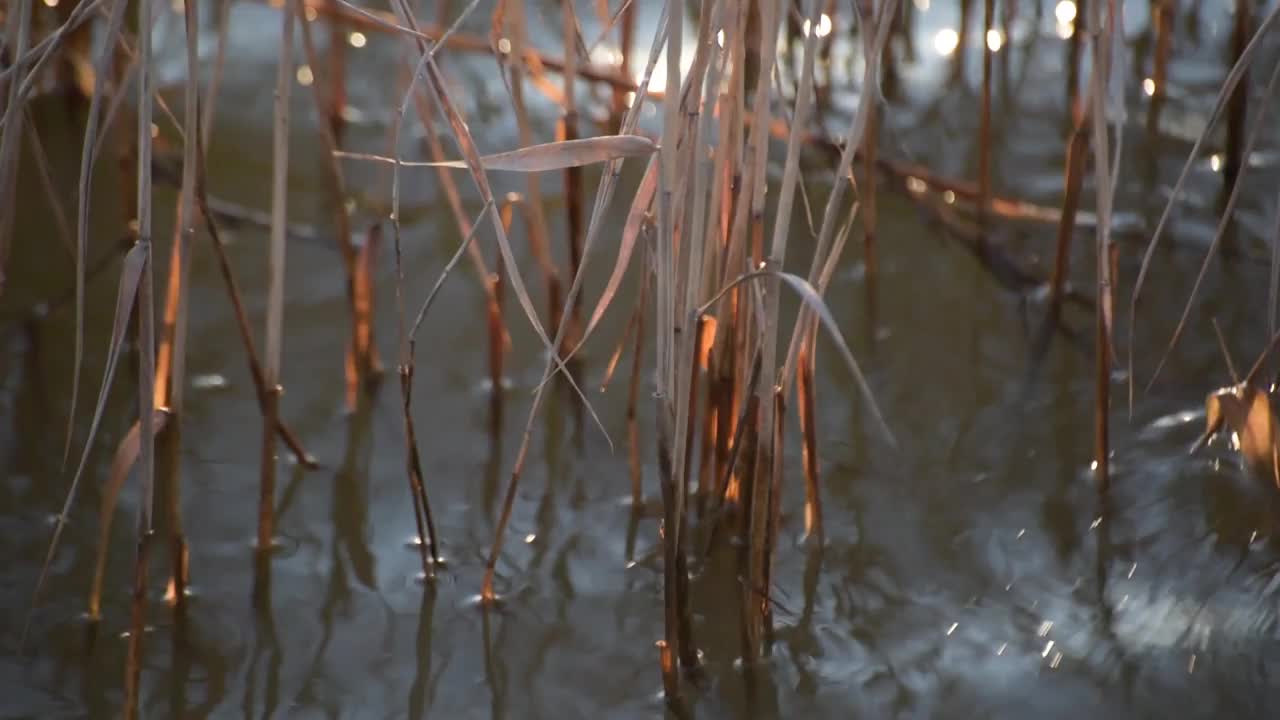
[
  {"x": 1074, "y": 55},
  {"x": 169, "y": 388},
  {"x": 1077, "y": 150},
  {"x": 361, "y": 362},
  {"x": 510, "y": 17},
  {"x": 497, "y": 335},
  {"x": 1162, "y": 12},
  {"x": 809, "y": 444},
  {"x": 633, "y": 395},
  {"x": 1238, "y": 105},
  {"x": 573, "y": 187},
  {"x": 336, "y": 103}
]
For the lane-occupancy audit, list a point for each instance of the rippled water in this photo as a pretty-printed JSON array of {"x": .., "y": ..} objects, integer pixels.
[{"x": 976, "y": 572}]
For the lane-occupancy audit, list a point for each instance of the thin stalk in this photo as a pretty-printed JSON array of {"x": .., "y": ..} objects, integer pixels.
[
  {"x": 361, "y": 354},
  {"x": 18, "y": 33},
  {"x": 1162, "y": 20},
  {"x": 146, "y": 360},
  {"x": 572, "y": 176},
  {"x": 275, "y": 264},
  {"x": 1077, "y": 149},
  {"x": 760, "y": 542},
  {"x": 984, "y": 126},
  {"x": 1238, "y": 105},
  {"x": 809, "y": 445},
  {"x": 337, "y": 67},
  {"x": 103, "y": 69}
]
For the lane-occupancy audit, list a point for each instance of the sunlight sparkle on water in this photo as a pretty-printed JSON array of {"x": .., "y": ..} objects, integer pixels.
[
  {"x": 605, "y": 55},
  {"x": 824, "y": 27},
  {"x": 946, "y": 41},
  {"x": 1065, "y": 11},
  {"x": 995, "y": 40}
]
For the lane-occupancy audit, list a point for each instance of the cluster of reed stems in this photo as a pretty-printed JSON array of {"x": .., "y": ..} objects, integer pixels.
[{"x": 708, "y": 230}]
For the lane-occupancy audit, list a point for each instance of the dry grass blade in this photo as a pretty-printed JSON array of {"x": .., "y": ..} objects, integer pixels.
[
  {"x": 444, "y": 275},
  {"x": 540, "y": 158},
  {"x": 555, "y": 362},
  {"x": 130, "y": 277},
  {"x": 29, "y": 63},
  {"x": 18, "y": 34},
  {"x": 1228, "y": 87},
  {"x": 146, "y": 358},
  {"x": 52, "y": 194},
  {"x": 123, "y": 461},
  {"x": 815, "y": 302},
  {"x": 88, "y": 154},
  {"x": 630, "y": 231},
  {"x": 1226, "y": 354},
  {"x": 463, "y": 136},
  {"x": 1224, "y": 220}
]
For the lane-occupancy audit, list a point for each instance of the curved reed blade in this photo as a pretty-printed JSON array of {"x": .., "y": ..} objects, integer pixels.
[
  {"x": 121, "y": 464},
  {"x": 543, "y": 157},
  {"x": 130, "y": 278},
  {"x": 630, "y": 231},
  {"x": 1223, "y": 221},
  {"x": 814, "y": 301},
  {"x": 18, "y": 35},
  {"x": 1224, "y": 92}
]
